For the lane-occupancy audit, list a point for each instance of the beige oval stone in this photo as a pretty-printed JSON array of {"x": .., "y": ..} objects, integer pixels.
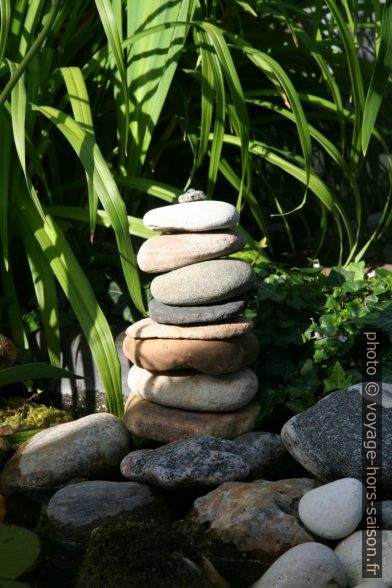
[
  {"x": 152, "y": 421},
  {"x": 206, "y": 356},
  {"x": 168, "y": 252},
  {"x": 148, "y": 329},
  {"x": 190, "y": 390}
]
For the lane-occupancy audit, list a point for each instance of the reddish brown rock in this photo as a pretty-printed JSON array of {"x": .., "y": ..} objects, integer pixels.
[
  {"x": 152, "y": 421},
  {"x": 259, "y": 519},
  {"x": 168, "y": 252},
  {"x": 206, "y": 356},
  {"x": 148, "y": 329}
]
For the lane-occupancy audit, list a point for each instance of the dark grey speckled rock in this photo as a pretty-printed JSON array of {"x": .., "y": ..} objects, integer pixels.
[
  {"x": 326, "y": 439},
  {"x": 75, "y": 510},
  {"x": 90, "y": 447},
  {"x": 193, "y": 462},
  {"x": 261, "y": 450},
  {"x": 192, "y": 315}
]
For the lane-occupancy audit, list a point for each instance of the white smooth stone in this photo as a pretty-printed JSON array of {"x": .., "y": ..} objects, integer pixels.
[
  {"x": 333, "y": 510},
  {"x": 349, "y": 551},
  {"x": 308, "y": 565},
  {"x": 202, "y": 215}
]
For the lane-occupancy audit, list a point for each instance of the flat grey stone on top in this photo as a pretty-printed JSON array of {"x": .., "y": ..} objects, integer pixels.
[
  {"x": 326, "y": 439},
  {"x": 204, "y": 283},
  {"x": 75, "y": 510},
  {"x": 191, "y": 315},
  {"x": 194, "y": 462},
  {"x": 203, "y": 215},
  {"x": 92, "y": 446}
]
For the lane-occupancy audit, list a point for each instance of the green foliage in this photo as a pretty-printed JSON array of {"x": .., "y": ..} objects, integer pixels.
[
  {"x": 107, "y": 106},
  {"x": 19, "y": 551},
  {"x": 309, "y": 326}
]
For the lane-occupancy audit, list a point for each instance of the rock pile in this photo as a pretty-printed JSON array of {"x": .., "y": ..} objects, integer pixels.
[{"x": 190, "y": 376}]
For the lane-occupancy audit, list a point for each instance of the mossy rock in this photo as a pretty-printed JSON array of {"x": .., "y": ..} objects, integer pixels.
[
  {"x": 141, "y": 555},
  {"x": 30, "y": 416}
]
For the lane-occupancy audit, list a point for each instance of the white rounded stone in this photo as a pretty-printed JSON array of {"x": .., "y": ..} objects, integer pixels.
[
  {"x": 202, "y": 215},
  {"x": 334, "y": 510},
  {"x": 308, "y": 565},
  {"x": 349, "y": 551},
  {"x": 193, "y": 390}
]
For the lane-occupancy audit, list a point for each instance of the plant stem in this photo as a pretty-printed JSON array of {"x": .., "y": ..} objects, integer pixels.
[{"x": 30, "y": 53}]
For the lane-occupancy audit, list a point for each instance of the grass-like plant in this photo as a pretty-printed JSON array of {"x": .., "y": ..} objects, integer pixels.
[{"x": 278, "y": 105}]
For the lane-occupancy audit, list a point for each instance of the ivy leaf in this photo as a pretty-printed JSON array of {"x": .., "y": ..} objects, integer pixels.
[{"x": 338, "y": 379}]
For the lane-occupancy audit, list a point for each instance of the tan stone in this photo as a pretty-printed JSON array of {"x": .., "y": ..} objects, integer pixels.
[
  {"x": 168, "y": 252},
  {"x": 260, "y": 519},
  {"x": 190, "y": 390},
  {"x": 148, "y": 329},
  {"x": 206, "y": 356},
  {"x": 152, "y": 421}
]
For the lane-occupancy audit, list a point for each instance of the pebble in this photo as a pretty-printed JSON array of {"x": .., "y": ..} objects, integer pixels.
[
  {"x": 188, "y": 315},
  {"x": 309, "y": 565},
  {"x": 194, "y": 462},
  {"x": 204, "y": 283},
  {"x": 168, "y": 252},
  {"x": 206, "y": 356},
  {"x": 92, "y": 446},
  {"x": 257, "y": 518},
  {"x": 192, "y": 195},
  {"x": 148, "y": 329},
  {"x": 334, "y": 510},
  {"x": 193, "y": 390},
  {"x": 307, "y": 436},
  {"x": 262, "y": 451},
  {"x": 349, "y": 551},
  {"x": 152, "y": 421},
  {"x": 205, "y": 215},
  {"x": 75, "y": 510}
]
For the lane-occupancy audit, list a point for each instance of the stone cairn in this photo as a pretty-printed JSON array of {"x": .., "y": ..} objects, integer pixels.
[{"x": 190, "y": 376}]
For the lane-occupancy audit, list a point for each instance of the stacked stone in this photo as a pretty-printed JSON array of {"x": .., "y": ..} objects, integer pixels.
[{"x": 190, "y": 376}]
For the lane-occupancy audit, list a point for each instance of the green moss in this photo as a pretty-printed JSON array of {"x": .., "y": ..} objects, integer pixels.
[
  {"x": 32, "y": 416},
  {"x": 141, "y": 555}
]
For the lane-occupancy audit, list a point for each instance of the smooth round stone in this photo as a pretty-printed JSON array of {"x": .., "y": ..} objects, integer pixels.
[
  {"x": 153, "y": 421},
  {"x": 194, "y": 391},
  {"x": 92, "y": 446},
  {"x": 204, "y": 283},
  {"x": 334, "y": 510},
  {"x": 190, "y": 315},
  {"x": 192, "y": 195},
  {"x": 310, "y": 565},
  {"x": 75, "y": 510},
  {"x": 349, "y": 551},
  {"x": 190, "y": 462},
  {"x": 168, "y": 252},
  {"x": 204, "y": 215},
  {"x": 148, "y": 329},
  {"x": 208, "y": 357}
]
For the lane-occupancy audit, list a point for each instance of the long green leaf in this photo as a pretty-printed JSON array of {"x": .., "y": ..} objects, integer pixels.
[
  {"x": 106, "y": 188},
  {"x": 114, "y": 36},
  {"x": 44, "y": 286},
  {"x": 5, "y": 153},
  {"x": 81, "y": 297},
  {"x": 32, "y": 371},
  {"x": 381, "y": 72},
  {"x": 78, "y": 96},
  {"x": 5, "y": 20}
]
